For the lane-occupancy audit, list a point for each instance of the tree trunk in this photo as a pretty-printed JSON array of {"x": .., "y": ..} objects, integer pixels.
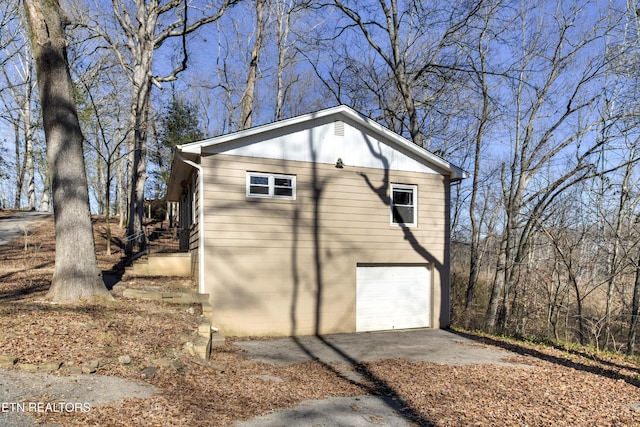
[
  {"x": 31, "y": 173},
  {"x": 282, "y": 34},
  {"x": 121, "y": 192},
  {"x": 107, "y": 213},
  {"x": 76, "y": 274},
  {"x": 44, "y": 201},
  {"x": 25, "y": 117},
  {"x": 19, "y": 169},
  {"x": 246, "y": 111},
  {"x": 491, "y": 318},
  {"x": 474, "y": 255},
  {"x": 635, "y": 311},
  {"x": 136, "y": 241},
  {"x": 582, "y": 332}
]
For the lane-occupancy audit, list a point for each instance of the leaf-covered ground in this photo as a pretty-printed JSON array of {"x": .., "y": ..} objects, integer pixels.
[{"x": 555, "y": 387}]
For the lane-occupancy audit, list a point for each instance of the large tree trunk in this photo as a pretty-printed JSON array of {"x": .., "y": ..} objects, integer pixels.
[
  {"x": 76, "y": 274},
  {"x": 136, "y": 239},
  {"x": 143, "y": 37}
]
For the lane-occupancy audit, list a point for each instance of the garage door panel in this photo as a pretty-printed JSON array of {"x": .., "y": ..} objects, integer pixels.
[{"x": 392, "y": 297}]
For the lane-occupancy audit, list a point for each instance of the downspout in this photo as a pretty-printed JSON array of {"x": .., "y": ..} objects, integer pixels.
[{"x": 200, "y": 220}]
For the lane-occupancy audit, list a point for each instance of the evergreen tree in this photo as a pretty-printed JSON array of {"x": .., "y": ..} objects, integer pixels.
[{"x": 178, "y": 125}]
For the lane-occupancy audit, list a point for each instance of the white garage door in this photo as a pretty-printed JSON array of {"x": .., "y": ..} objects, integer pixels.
[{"x": 392, "y": 297}]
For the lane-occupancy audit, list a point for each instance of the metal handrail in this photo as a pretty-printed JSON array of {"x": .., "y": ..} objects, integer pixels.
[{"x": 167, "y": 239}]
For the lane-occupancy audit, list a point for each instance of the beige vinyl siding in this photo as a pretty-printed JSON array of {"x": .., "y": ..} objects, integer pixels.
[{"x": 283, "y": 267}]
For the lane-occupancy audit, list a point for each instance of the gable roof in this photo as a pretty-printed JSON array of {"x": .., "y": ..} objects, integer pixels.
[{"x": 192, "y": 151}]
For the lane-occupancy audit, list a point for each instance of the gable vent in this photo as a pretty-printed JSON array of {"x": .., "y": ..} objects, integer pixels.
[{"x": 338, "y": 128}]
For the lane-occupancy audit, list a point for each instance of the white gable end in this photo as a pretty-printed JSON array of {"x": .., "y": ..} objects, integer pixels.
[{"x": 325, "y": 143}]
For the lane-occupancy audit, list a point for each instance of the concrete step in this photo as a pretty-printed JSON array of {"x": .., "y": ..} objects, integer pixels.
[
  {"x": 175, "y": 297},
  {"x": 162, "y": 264}
]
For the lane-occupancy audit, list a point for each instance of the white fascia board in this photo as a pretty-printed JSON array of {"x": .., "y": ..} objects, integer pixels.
[
  {"x": 455, "y": 173},
  {"x": 439, "y": 163},
  {"x": 430, "y": 158}
]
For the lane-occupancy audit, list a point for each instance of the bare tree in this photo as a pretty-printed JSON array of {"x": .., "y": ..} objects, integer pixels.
[
  {"x": 147, "y": 25},
  {"x": 556, "y": 84},
  {"x": 478, "y": 64},
  {"x": 108, "y": 143},
  {"x": 18, "y": 100},
  {"x": 76, "y": 274},
  {"x": 247, "y": 104},
  {"x": 404, "y": 38},
  {"x": 285, "y": 14},
  {"x": 568, "y": 234}
]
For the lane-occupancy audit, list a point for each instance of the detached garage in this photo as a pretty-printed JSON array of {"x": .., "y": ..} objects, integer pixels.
[{"x": 318, "y": 224}]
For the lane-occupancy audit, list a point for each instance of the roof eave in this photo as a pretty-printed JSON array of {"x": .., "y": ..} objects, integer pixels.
[
  {"x": 439, "y": 163},
  {"x": 180, "y": 171}
]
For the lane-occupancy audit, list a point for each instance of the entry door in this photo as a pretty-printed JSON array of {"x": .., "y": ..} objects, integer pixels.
[{"x": 392, "y": 297}]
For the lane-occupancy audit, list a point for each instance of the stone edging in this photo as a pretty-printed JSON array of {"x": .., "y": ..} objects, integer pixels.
[{"x": 207, "y": 337}]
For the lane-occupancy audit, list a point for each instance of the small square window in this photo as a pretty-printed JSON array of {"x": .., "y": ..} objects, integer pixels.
[
  {"x": 271, "y": 185},
  {"x": 404, "y": 205}
]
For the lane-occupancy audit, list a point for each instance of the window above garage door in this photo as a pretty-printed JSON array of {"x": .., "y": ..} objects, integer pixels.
[{"x": 404, "y": 205}]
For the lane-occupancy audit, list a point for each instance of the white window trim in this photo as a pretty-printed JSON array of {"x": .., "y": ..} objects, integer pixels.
[
  {"x": 271, "y": 184},
  {"x": 414, "y": 188}
]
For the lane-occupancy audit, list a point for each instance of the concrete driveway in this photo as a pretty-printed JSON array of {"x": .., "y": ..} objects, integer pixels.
[
  {"x": 343, "y": 352},
  {"x": 430, "y": 345}
]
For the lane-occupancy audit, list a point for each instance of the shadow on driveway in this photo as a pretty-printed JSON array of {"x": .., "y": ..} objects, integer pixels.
[
  {"x": 346, "y": 356},
  {"x": 429, "y": 345}
]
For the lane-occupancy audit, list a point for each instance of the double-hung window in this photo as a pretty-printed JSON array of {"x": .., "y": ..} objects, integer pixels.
[
  {"x": 271, "y": 185},
  {"x": 404, "y": 205}
]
